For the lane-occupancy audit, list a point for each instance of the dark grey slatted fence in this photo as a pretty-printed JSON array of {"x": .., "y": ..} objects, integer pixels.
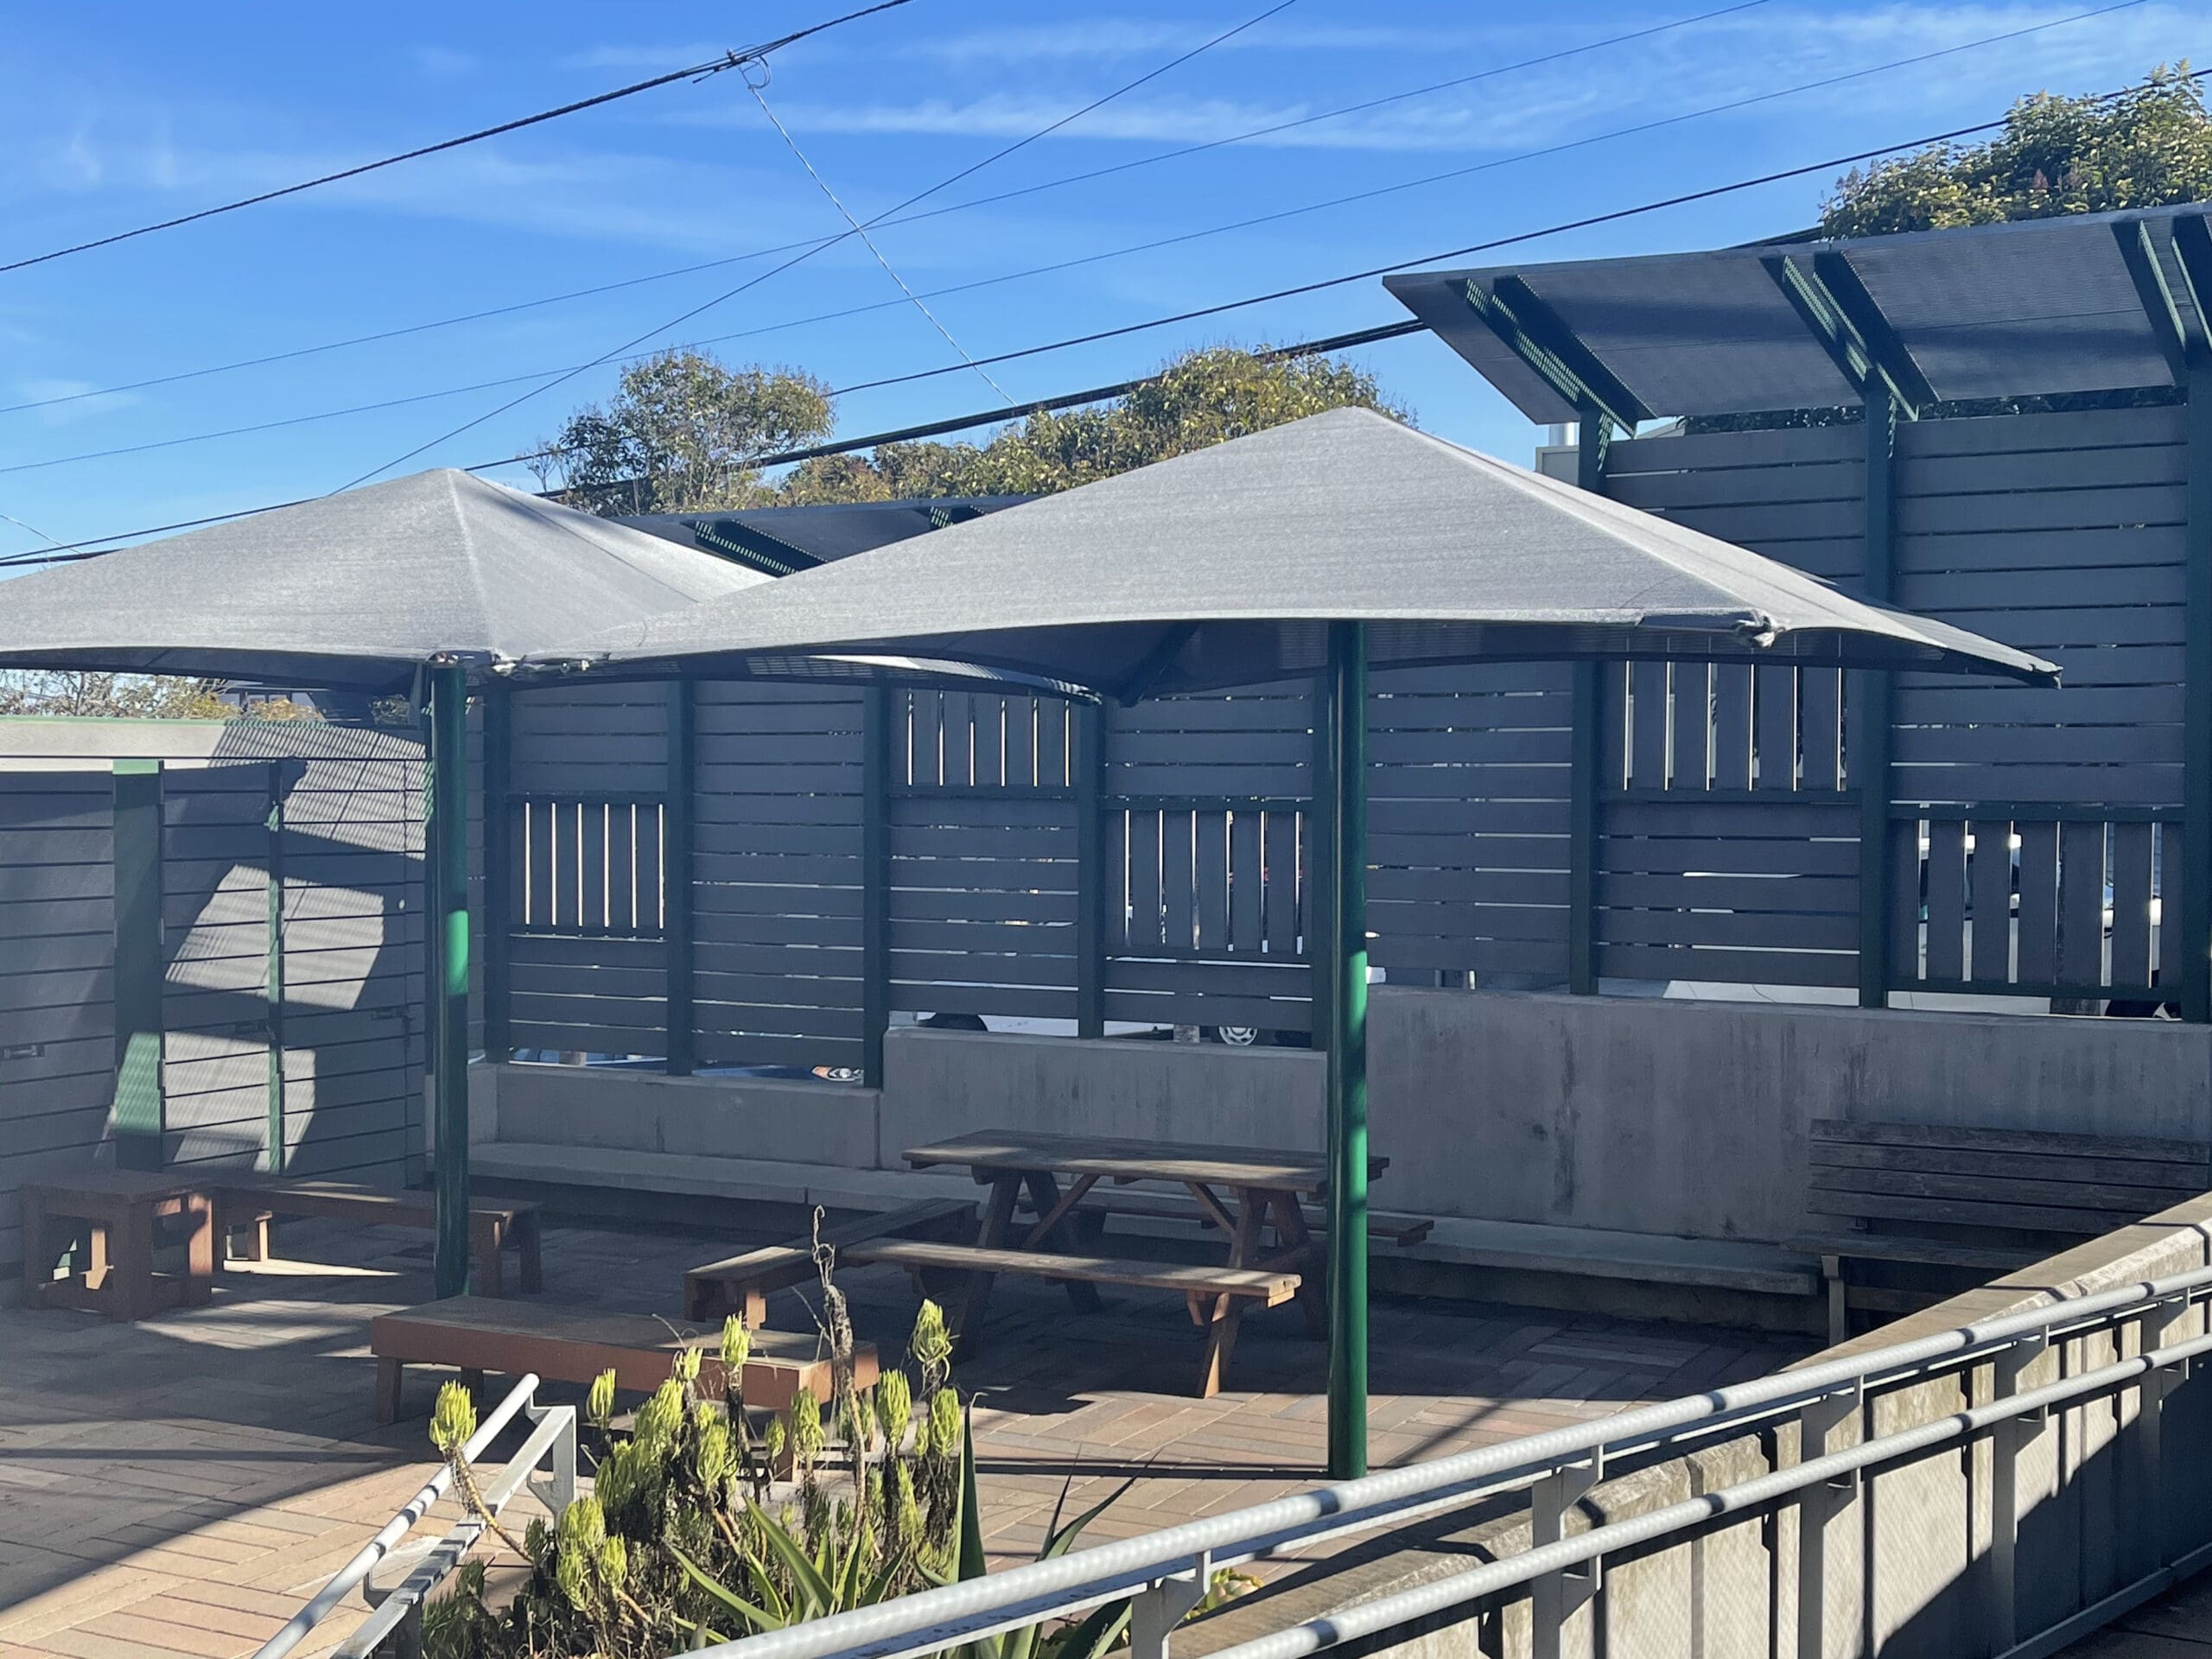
[{"x": 777, "y": 885}]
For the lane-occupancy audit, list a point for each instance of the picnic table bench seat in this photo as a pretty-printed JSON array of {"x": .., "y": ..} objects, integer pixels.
[
  {"x": 1399, "y": 1229},
  {"x": 741, "y": 1283},
  {"x": 475, "y": 1335},
  {"x": 1979, "y": 1199},
  {"x": 244, "y": 1204}
]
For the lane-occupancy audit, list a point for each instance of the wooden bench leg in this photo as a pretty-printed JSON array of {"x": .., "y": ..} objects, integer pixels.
[
  {"x": 1312, "y": 1294},
  {"x": 1838, "y": 1298},
  {"x": 484, "y": 1246},
  {"x": 1221, "y": 1341},
  {"x": 246, "y": 1241},
  {"x": 998, "y": 1218},
  {"x": 38, "y": 1259},
  {"x": 1044, "y": 1197},
  {"x": 199, "y": 1248},
  {"x": 130, "y": 1277},
  {"x": 529, "y": 1270},
  {"x": 388, "y": 1373}
]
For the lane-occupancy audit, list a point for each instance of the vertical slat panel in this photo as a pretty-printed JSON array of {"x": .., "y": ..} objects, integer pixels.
[
  {"x": 1175, "y": 876},
  {"x": 2081, "y": 904},
  {"x": 956, "y": 737},
  {"x": 592, "y": 850},
  {"x": 537, "y": 826},
  {"x": 1947, "y": 899},
  {"x": 1731, "y": 727},
  {"x": 2038, "y": 924},
  {"x": 1115, "y": 866},
  {"x": 987, "y": 742},
  {"x": 1210, "y": 896},
  {"x": 1144, "y": 879},
  {"x": 2165, "y": 936},
  {"x": 2131, "y": 904},
  {"x": 1907, "y": 950},
  {"x": 1611, "y": 719},
  {"x": 1648, "y": 726},
  {"x": 1775, "y": 694},
  {"x": 563, "y": 823},
  {"x": 1245, "y": 884},
  {"x": 1990, "y": 868},
  {"x": 1021, "y": 715},
  {"x": 1279, "y": 834},
  {"x": 1053, "y": 743},
  {"x": 648, "y": 915},
  {"x": 928, "y": 740},
  {"x": 1820, "y": 701},
  {"x": 1693, "y": 724}
]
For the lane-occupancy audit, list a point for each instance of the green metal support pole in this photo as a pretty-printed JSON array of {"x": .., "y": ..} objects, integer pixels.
[
  {"x": 1869, "y": 760},
  {"x": 1344, "y": 718},
  {"x": 141, "y": 1108},
  {"x": 447, "y": 817},
  {"x": 679, "y": 930},
  {"x": 274, "y": 974},
  {"x": 2192, "y": 966}
]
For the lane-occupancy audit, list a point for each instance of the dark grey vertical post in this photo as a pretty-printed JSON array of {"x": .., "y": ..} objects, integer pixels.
[
  {"x": 500, "y": 867},
  {"x": 878, "y": 710},
  {"x": 141, "y": 1109},
  {"x": 1592, "y": 436},
  {"x": 2192, "y": 963},
  {"x": 1089, "y": 760},
  {"x": 679, "y": 789},
  {"x": 1343, "y": 803},
  {"x": 273, "y": 975},
  {"x": 447, "y": 882},
  {"x": 1868, "y": 761}
]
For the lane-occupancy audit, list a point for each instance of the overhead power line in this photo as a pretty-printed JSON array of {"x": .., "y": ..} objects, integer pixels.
[
  {"x": 380, "y": 335},
  {"x": 695, "y": 72},
  {"x": 921, "y": 195},
  {"x": 550, "y": 376},
  {"x": 95, "y": 546}
]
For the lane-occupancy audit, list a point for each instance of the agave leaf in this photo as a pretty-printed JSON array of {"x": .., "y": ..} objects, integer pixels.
[
  {"x": 1063, "y": 1538},
  {"x": 970, "y": 1528},
  {"x": 1094, "y": 1636},
  {"x": 806, "y": 1577},
  {"x": 879, "y": 1588},
  {"x": 849, "y": 1582},
  {"x": 760, "y": 1617}
]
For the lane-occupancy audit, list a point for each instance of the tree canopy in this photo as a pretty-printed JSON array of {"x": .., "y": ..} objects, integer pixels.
[
  {"x": 130, "y": 696},
  {"x": 2148, "y": 147}
]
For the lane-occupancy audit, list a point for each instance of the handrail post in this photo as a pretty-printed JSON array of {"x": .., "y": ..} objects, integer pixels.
[
  {"x": 1816, "y": 1506},
  {"x": 2153, "y": 1329},
  {"x": 1156, "y": 1611},
  {"x": 1557, "y": 1597},
  {"x": 2012, "y": 1436}
]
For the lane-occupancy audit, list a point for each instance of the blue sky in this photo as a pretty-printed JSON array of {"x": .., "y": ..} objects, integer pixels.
[{"x": 121, "y": 113}]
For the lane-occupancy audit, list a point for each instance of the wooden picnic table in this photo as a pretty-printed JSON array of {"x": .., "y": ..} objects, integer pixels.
[{"x": 1244, "y": 1191}]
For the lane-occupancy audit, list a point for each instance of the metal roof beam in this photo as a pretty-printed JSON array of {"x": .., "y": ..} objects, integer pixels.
[
  {"x": 1842, "y": 282},
  {"x": 2193, "y": 249},
  {"x": 1539, "y": 337},
  {"x": 2177, "y": 341}
]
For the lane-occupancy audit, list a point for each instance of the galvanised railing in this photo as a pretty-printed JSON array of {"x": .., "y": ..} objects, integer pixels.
[
  {"x": 397, "y": 1620},
  {"x": 1165, "y": 1574}
]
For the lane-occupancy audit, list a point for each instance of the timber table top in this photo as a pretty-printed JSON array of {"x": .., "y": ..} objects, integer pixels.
[{"x": 1251, "y": 1167}]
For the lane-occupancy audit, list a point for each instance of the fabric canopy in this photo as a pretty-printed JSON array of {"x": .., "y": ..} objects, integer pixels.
[
  {"x": 1222, "y": 568},
  {"x": 356, "y": 591}
]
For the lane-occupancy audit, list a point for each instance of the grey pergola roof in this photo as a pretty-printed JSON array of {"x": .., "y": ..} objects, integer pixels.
[
  {"x": 780, "y": 540},
  {"x": 1222, "y": 568},
  {"x": 356, "y": 591},
  {"x": 2087, "y": 303}
]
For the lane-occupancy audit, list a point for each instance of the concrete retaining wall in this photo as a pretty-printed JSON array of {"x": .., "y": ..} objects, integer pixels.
[{"x": 1631, "y": 1115}]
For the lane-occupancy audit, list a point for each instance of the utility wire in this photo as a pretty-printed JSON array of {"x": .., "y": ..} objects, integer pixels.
[
  {"x": 860, "y": 230},
  {"x": 946, "y": 183},
  {"x": 592, "y": 292},
  {"x": 94, "y": 547},
  {"x": 695, "y": 72},
  {"x": 548, "y": 376}
]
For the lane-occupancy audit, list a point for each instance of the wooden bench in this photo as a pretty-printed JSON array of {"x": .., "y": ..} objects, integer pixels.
[
  {"x": 109, "y": 1219},
  {"x": 1982, "y": 1200},
  {"x": 475, "y": 1335},
  {"x": 244, "y": 1204},
  {"x": 740, "y": 1283},
  {"x": 1210, "y": 1292}
]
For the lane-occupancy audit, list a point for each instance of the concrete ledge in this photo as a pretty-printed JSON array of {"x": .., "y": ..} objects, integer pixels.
[
  {"x": 1645, "y": 1258},
  {"x": 781, "y": 1120},
  {"x": 738, "y": 1179}
]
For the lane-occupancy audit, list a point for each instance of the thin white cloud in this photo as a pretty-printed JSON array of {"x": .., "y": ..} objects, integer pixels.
[{"x": 71, "y": 414}]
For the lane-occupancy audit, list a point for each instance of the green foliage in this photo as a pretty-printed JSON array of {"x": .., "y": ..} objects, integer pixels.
[
  {"x": 2148, "y": 147},
  {"x": 452, "y": 1420},
  {"x": 680, "y": 435},
  {"x": 1200, "y": 398},
  {"x": 73, "y": 693},
  {"x": 930, "y": 1344}
]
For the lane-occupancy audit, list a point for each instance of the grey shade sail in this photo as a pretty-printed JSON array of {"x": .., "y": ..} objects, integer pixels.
[
  {"x": 1224, "y": 568},
  {"x": 2089, "y": 303},
  {"x": 356, "y": 591},
  {"x": 780, "y": 540}
]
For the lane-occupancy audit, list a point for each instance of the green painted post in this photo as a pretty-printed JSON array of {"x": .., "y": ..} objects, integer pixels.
[
  {"x": 1869, "y": 760},
  {"x": 141, "y": 1108},
  {"x": 447, "y": 817},
  {"x": 877, "y": 710},
  {"x": 1090, "y": 873},
  {"x": 2193, "y": 961},
  {"x": 677, "y": 929},
  {"x": 500, "y": 867},
  {"x": 274, "y": 975},
  {"x": 1344, "y": 719},
  {"x": 1593, "y": 437}
]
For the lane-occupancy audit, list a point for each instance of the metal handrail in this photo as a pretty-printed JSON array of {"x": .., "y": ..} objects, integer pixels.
[
  {"x": 1160, "y": 1566},
  {"x": 554, "y": 1434}
]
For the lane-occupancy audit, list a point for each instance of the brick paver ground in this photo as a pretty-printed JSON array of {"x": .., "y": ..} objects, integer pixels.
[{"x": 173, "y": 1490}]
